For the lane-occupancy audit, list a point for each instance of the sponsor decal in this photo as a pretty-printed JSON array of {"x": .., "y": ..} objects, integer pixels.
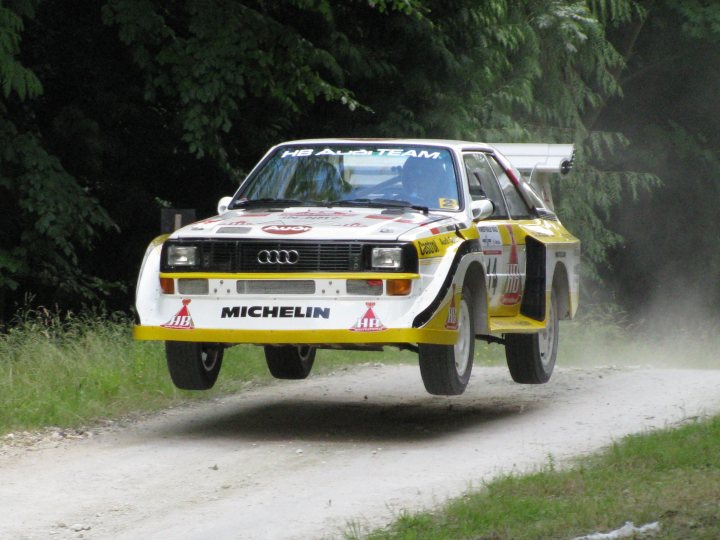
[
  {"x": 444, "y": 228},
  {"x": 511, "y": 293},
  {"x": 435, "y": 246},
  {"x": 448, "y": 204},
  {"x": 448, "y": 239},
  {"x": 492, "y": 275},
  {"x": 286, "y": 229},
  {"x": 451, "y": 323},
  {"x": 368, "y": 322},
  {"x": 490, "y": 239},
  {"x": 182, "y": 319},
  {"x": 390, "y": 218},
  {"x": 428, "y": 248},
  {"x": 378, "y": 216},
  {"x": 316, "y": 213},
  {"x": 275, "y": 312},
  {"x": 391, "y": 152}
]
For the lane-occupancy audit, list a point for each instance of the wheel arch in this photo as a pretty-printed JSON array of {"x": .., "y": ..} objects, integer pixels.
[{"x": 475, "y": 274}]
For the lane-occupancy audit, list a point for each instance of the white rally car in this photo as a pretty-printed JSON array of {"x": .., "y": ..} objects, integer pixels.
[{"x": 424, "y": 245}]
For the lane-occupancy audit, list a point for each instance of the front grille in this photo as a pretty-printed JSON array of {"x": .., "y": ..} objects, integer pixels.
[
  {"x": 312, "y": 257},
  {"x": 218, "y": 256},
  {"x": 242, "y": 256}
]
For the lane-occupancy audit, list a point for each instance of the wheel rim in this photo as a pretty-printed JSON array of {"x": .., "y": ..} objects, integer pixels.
[
  {"x": 462, "y": 346},
  {"x": 304, "y": 352},
  {"x": 546, "y": 339},
  {"x": 208, "y": 358}
]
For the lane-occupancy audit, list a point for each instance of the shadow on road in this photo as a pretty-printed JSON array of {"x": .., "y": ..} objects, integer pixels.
[{"x": 348, "y": 421}]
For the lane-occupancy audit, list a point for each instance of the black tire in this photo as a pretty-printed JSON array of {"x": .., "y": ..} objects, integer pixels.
[
  {"x": 531, "y": 357},
  {"x": 290, "y": 362},
  {"x": 445, "y": 369},
  {"x": 193, "y": 366}
]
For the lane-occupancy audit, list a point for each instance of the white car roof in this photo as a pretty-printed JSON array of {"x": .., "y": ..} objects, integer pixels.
[{"x": 460, "y": 145}]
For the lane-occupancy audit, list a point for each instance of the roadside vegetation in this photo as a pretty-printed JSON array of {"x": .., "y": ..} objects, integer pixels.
[
  {"x": 69, "y": 371},
  {"x": 671, "y": 477}
]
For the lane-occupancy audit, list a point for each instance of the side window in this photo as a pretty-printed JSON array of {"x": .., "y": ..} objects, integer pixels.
[
  {"x": 516, "y": 204},
  {"x": 482, "y": 183}
]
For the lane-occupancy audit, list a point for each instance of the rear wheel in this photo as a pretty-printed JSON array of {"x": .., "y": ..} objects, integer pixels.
[
  {"x": 290, "y": 362},
  {"x": 531, "y": 357},
  {"x": 446, "y": 369},
  {"x": 193, "y": 366}
]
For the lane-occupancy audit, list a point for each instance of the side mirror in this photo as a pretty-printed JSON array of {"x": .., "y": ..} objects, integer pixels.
[
  {"x": 482, "y": 209},
  {"x": 223, "y": 205}
]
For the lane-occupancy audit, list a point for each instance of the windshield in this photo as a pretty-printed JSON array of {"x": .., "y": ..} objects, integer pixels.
[{"x": 356, "y": 175}]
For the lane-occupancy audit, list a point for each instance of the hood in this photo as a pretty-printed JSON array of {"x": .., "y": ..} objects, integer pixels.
[{"x": 302, "y": 223}]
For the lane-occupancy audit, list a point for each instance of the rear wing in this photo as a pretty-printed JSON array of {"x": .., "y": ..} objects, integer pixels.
[{"x": 537, "y": 161}]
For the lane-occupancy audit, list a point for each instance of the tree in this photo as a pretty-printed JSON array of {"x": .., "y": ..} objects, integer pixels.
[
  {"x": 670, "y": 257},
  {"x": 46, "y": 215},
  {"x": 148, "y": 103}
]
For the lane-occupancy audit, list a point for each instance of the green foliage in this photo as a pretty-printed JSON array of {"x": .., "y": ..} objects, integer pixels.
[
  {"x": 207, "y": 56},
  {"x": 46, "y": 214},
  {"x": 14, "y": 77},
  {"x": 150, "y": 101},
  {"x": 671, "y": 476},
  {"x": 56, "y": 215},
  {"x": 701, "y": 19}
]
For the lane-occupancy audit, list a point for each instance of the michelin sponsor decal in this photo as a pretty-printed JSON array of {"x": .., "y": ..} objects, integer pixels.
[{"x": 274, "y": 312}]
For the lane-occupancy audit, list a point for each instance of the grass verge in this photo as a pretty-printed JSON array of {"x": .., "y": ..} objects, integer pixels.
[
  {"x": 670, "y": 476},
  {"x": 70, "y": 371}
]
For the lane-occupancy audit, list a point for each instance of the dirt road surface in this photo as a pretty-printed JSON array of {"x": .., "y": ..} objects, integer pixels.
[{"x": 304, "y": 459}]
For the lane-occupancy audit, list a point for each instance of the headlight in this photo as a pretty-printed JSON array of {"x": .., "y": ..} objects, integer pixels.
[
  {"x": 182, "y": 255},
  {"x": 390, "y": 257}
]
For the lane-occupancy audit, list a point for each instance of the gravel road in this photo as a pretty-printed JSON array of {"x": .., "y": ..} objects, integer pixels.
[{"x": 304, "y": 459}]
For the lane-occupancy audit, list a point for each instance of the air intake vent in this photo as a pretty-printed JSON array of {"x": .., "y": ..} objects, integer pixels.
[{"x": 274, "y": 286}]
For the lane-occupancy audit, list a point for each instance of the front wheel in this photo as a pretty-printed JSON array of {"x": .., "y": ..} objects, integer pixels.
[
  {"x": 446, "y": 369},
  {"x": 289, "y": 362},
  {"x": 193, "y": 366},
  {"x": 531, "y": 357}
]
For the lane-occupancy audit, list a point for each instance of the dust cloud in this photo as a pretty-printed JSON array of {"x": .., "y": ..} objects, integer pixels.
[{"x": 667, "y": 332}]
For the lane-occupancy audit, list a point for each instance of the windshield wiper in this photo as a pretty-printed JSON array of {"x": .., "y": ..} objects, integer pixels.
[
  {"x": 383, "y": 203},
  {"x": 266, "y": 201}
]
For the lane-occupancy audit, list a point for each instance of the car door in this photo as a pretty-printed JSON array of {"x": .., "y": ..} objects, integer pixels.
[{"x": 501, "y": 239}]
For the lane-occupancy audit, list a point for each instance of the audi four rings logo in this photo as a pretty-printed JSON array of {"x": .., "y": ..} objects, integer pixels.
[{"x": 278, "y": 256}]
